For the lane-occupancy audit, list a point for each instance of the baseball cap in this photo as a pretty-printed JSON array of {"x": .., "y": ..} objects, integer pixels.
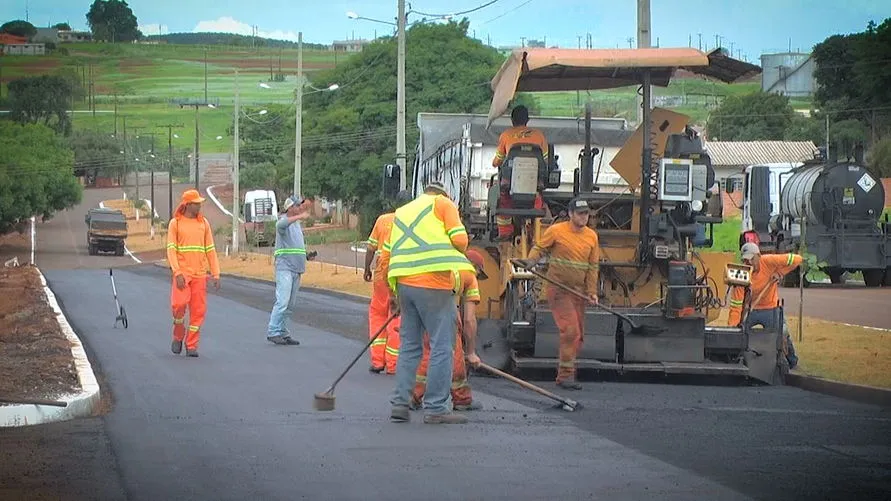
[
  {"x": 476, "y": 258},
  {"x": 579, "y": 205},
  {"x": 749, "y": 250},
  {"x": 192, "y": 197},
  {"x": 292, "y": 201}
]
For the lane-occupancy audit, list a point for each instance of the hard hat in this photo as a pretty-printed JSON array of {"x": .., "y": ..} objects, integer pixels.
[
  {"x": 436, "y": 186},
  {"x": 749, "y": 250}
]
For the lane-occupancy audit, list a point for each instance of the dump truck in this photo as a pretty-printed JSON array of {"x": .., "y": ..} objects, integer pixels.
[{"x": 106, "y": 231}]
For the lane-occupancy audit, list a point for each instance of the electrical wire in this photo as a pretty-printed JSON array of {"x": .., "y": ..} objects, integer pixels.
[
  {"x": 506, "y": 12},
  {"x": 452, "y": 14}
]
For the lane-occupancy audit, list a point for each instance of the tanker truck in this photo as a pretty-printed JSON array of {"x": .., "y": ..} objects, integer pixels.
[{"x": 836, "y": 205}]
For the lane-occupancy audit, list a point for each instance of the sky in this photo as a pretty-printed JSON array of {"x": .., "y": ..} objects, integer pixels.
[{"x": 747, "y": 27}]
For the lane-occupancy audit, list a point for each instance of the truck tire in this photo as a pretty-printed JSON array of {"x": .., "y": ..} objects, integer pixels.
[
  {"x": 873, "y": 277},
  {"x": 119, "y": 251},
  {"x": 836, "y": 276}
]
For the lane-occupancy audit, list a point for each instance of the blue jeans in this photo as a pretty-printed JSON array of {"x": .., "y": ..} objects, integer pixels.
[
  {"x": 287, "y": 283},
  {"x": 434, "y": 311},
  {"x": 766, "y": 318}
]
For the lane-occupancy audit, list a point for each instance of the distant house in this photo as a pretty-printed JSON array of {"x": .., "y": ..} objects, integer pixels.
[
  {"x": 730, "y": 158},
  {"x": 6, "y": 39},
  {"x": 24, "y": 49},
  {"x": 790, "y": 74},
  {"x": 349, "y": 45},
  {"x": 74, "y": 36}
]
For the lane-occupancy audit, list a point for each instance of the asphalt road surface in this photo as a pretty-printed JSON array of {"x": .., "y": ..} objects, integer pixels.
[{"x": 856, "y": 305}]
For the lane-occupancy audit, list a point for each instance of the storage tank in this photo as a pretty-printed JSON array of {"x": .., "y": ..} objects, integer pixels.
[{"x": 830, "y": 192}]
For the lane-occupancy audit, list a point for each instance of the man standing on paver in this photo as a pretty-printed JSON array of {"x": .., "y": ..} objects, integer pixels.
[
  {"x": 426, "y": 255},
  {"x": 384, "y": 350},
  {"x": 290, "y": 264},
  {"x": 574, "y": 261},
  {"x": 190, "y": 250}
]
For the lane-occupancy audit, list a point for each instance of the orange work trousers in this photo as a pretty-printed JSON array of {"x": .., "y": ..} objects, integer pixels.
[
  {"x": 193, "y": 296},
  {"x": 461, "y": 394},
  {"x": 384, "y": 349},
  {"x": 569, "y": 315},
  {"x": 506, "y": 224}
]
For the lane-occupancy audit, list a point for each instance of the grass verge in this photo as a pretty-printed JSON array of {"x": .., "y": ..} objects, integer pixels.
[{"x": 318, "y": 275}]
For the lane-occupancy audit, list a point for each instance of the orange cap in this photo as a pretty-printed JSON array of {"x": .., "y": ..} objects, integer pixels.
[{"x": 192, "y": 197}]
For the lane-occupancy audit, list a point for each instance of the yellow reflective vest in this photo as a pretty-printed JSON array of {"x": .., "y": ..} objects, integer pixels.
[{"x": 420, "y": 244}]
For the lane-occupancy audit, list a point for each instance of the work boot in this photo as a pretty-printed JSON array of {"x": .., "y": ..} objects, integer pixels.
[
  {"x": 283, "y": 340},
  {"x": 569, "y": 385},
  {"x": 192, "y": 353},
  {"x": 400, "y": 414},
  {"x": 472, "y": 406},
  {"x": 176, "y": 347},
  {"x": 450, "y": 418},
  {"x": 376, "y": 370}
]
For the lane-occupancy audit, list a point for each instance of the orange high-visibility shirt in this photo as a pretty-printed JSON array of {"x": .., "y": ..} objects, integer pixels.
[
  {"x": 574, "y": 256},
  {"x": 380, "y": 233},
  {"x": 446, "y": 211},
  {"x": 519, "y": 135},
  {"x": 190, "y": 247},
  {"x": 470, "y": 287},
  {"x": 771, "y": 265}
]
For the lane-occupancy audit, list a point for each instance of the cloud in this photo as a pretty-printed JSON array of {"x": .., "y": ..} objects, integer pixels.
[
  {"x": 227, "y": 24},
  {"x": 153, "y": 29}
]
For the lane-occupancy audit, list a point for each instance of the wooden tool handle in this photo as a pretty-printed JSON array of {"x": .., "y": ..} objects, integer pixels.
[
  {"x": 33, "y": 401},
  {"x": 524, "y": 384},
  {"x": 359, "y": 355}
]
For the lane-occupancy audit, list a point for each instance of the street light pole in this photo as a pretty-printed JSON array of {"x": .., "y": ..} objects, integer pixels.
[
  {"x": 196, "y": 148},
  {"x": 235, "y": 190},
  {"x": 298, "y": 139},
  {"x": 400, "y": 96}
]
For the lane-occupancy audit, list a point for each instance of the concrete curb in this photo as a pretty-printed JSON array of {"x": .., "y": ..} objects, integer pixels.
[
  {"x": 860, "y": 393},
  {"x": 325, "y": 292},
  {"x": 216, "y": 202},
  {"x": 83, "y": 404}
]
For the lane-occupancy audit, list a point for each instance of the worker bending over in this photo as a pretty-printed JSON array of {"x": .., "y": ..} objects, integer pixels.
[
  {"x": 518, "y": 134},
  {"x": 385, "y": 349},
  {"x": 190, "y": 251},
  {"x": 767, "y": 271},
  {"x": 462, "y": 399},
  {"x": 574, "y": 261},
  {"x": 426, "y": 255}
]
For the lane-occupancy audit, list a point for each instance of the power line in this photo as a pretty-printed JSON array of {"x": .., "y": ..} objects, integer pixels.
[
  {"x": 506, "y": 13},
  {"x": 457, "y": 13}
]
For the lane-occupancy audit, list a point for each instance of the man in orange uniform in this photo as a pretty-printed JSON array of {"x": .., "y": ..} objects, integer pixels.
[
  {"x": 190, "y": 251},
  {"x": 767, "y": 271},
  {"x": 518, "y": 134},
  {"x": 462, "y": 399},
  {"x": 575, "y": 262},
  {"x": 385, "y": 349}
]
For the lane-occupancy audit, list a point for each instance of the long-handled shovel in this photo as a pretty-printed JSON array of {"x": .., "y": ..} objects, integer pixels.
[
  {"x": 566, "y": 403},
  {"x": 325, "y": 401}
]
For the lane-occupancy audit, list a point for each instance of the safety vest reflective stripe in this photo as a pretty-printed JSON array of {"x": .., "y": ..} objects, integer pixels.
[
  {"x": 190, "y": 248},
  {"x": 573, "y": 264},
  {"x": 790, "y": 259},
  {"x": 461, "y": 383},
  {"x": 178, "y": 321},
  {"x": 372, "y": 241},
  {"x": 471, "y": 292},
  {"x": 456, "y": 231},
  {"x": 419, "y": 244},
  {"x": 421, "y": 379},
  {"x": 194, "y": 328},
  {"x": 567, "y": 364},
  {"x": 378, "y": 342},
  {"x": 392, "y": 351},
  {"x": 289, "y": 251},
  {"x": 735, "y": 302}
]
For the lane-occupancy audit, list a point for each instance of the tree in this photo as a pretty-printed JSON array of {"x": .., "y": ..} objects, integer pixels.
[
  {"x": 19, "y": 28},
  {"x": 758, "y": 116},
  {"x": 880, "y": 158},
  {"x": 62, "y": 26},
  {"x": 113, "y": 21},
  {"x": 804, "y": 128},
  {"x": 36, "y": 177},
  {"x": 96, "y": 154},
  {"x": 44, "y": 99},
  {"x": 349, "y": 134}
]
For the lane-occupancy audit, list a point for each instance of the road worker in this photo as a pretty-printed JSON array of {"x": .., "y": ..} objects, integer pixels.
[
  {"x": 767, "y": 271},
  {"x": 574, "y": 260},
  {"x": 290, "y": 264},
  {"x": 385, "y": 349},
  {"x": 462, "y": 399},
  {"x": 190, "y": 252},
  {"x": 424, "y": 258},
  {"x": 518, "y": 134}
]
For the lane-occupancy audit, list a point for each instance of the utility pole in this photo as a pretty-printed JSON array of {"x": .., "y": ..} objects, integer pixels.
[
  {"x": 115, "y": 114},
  {"x": 236, "y": 198},
  {"x": 298, "y": 133},
  {"x": 205, "y": 75},
  {"x": 197, "y": 165},
  {"x": 643, "y": 42},
  {"x": 169, "y": 128},
  {"x": 137, "y": 160},
  {"x": 400, "y": 96},
  {"x": 700, "y": 40},
  {"x": 126, "y": 154}
]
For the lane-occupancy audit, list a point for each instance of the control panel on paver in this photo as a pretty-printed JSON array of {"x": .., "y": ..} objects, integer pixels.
[{"x": 738, "y": 274}]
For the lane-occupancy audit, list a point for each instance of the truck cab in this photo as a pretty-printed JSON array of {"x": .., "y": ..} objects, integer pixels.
[
  {"x": 259, "y": 207},
  {"x": 762, "y": 185},
  {"x": 106, "y": 231}
]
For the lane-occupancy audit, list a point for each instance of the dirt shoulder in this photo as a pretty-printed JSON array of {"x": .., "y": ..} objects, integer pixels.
[{"x": 35, "y": 355}]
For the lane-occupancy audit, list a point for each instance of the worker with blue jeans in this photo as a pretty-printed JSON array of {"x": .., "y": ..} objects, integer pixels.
[
  {"x": 767, "y": 320},
  {"x": 290, "y": 264}
]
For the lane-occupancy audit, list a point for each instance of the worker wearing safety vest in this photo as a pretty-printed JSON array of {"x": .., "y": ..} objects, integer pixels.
[
  {"x": 767, "y": 271},
  {"x": 425, "y": 253},
  {"x": 462, "y": 399},
  {"x": 290, "y": 264},
  {"x": 190, "y": 252},
  {"x": 385, "y": 348},
  {"x": 518, "y": 134},
  {"x": 574, "y": 261}
]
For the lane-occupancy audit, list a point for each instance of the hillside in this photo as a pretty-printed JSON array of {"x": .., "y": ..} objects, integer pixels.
[{"x": 230, "y": 39}]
